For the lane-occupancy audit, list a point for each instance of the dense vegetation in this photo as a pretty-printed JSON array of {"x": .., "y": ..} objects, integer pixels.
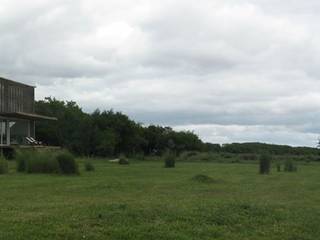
[
  {"x": 106, "y": 133},
  {"x": 46, "y": 162},
  {"x": 109, "y": 133}
]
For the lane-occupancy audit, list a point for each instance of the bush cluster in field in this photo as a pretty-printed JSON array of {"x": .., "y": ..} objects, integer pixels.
[
  {"x": 290, "y": 166},
  {"x": 46, "y": 162},
  {"x": 88, "y": 166},
  {"x": 169, "y": 160},
  {"x": 265, "y": 164}
]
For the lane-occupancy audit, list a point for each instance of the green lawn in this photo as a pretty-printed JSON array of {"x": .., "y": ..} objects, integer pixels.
[{"x": 146, "y": 201}]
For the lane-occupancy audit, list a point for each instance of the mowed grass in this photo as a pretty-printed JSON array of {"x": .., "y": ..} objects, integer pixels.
[{"x": 144, "y": 200}]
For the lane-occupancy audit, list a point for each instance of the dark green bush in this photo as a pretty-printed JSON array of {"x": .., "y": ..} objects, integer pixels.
[
  {"x": 3, "y": 165},
  {"x": 278, "y": 167},
  {"x": 290, "y": 166},
  {"x": 88, "y": 166},
  {"x": 36, "y": 162},
  {"x": 67, "y": 163},
  {"x": 31, "y": 161},
  {"x": 123, "y": 160},
  {"x": 169, "y": 160},
  {"x": 21, "y": 158},
  {"x": 41, "y": 162},
  {"x": 265, "y": 164}
]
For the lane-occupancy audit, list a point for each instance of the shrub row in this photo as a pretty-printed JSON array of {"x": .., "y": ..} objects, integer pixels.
[
  {"x": 46, "y": 162},
  {"x": 265, "y": 165}
]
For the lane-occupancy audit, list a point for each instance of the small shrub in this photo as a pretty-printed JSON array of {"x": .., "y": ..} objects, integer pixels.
[
  {"x": 123, "y": 160},
  {"x": 3, "y": 165},
  {"x": 41, "y": 162},
  {"x": 290, "y": 166},
  {"x": 21, "y": 158},
  {"x": 265, "y": 164},
  {"x": 36, "y": 162},
  {"x": 67, "y": 163},
  {"x": 88, "y": 166},
  {"x": 169, "y": 160},
  {"x": 278, "y": 167}
]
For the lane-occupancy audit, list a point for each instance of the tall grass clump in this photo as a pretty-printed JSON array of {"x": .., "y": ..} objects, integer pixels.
[
  {"x": 3, "y": 165},
  {"x": 202, "y": 178},
  {"x": 22, "y": 157},
  {"x": 67, "y": 163},
  {"x": 169, "y": 160},
  {"x": 123, "y": 160},
  {"x": 278, "y": 167},
  {"x": 88, "y": 166},
  {"x": 41, "y": 162},
  {"x": 31, "y": 161},
  {"x": 265, "y": 164},
  {"x": 290, "y": 166}
]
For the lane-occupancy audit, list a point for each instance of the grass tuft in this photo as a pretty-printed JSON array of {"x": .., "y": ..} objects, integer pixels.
[
  {"x": 42, "y": 162},
  {"x": 278, "y": 167},
  {"x": 67, "y": 163},
  {"x": 265, "y": 164},
  {"x": 201, "y": 178},
  {"x": 88, "y": 166},
  {"x": 3, "y": 165},
  {"x": 123, "y": 160},
  {"x": 169, "y": 160},
  {"x": 31, "y": 161},
  {"x": 290, "y": 166}
]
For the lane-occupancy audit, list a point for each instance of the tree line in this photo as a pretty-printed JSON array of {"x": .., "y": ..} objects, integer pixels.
[
  {"x": 110, "y": 133},
  {"x": 107, "y": 133}
]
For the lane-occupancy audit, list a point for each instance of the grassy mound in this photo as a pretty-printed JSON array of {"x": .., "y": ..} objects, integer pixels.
[{"x": 203, "y": 179}]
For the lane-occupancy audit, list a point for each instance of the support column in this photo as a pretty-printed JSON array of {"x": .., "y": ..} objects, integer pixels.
[
  {"x": 1, "y": 133},
  {"x": 34, "y": 129},
  {"x": 29, "y": 126},
  {"x": 8, "y": 131}
]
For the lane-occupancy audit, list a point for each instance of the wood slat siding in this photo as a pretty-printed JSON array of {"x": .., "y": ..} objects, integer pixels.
[{"x": 16, "y": 97}]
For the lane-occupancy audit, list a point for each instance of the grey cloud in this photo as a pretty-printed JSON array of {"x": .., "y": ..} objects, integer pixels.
[{"x": 252, "y": 64}]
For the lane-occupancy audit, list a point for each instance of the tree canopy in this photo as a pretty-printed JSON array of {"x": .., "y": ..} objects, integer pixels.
[{"x": 109, "y": 133}]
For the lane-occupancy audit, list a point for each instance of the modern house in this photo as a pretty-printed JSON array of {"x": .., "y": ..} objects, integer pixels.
[{"x": 17, "y": 114}]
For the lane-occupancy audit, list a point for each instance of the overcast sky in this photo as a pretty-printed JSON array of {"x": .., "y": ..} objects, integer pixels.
[{"x": 232, "y": 71}]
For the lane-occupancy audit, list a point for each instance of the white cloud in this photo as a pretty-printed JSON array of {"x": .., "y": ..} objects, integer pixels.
[{"x": 209, "y": 62}]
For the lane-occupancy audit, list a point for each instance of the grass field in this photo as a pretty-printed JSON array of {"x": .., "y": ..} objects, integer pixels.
[{"x": 146, "y": 201}]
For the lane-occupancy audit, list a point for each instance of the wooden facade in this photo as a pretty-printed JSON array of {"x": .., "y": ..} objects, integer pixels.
[
  {"x": 16, "y": 97},
  {"x": 17, "y": 113}
]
